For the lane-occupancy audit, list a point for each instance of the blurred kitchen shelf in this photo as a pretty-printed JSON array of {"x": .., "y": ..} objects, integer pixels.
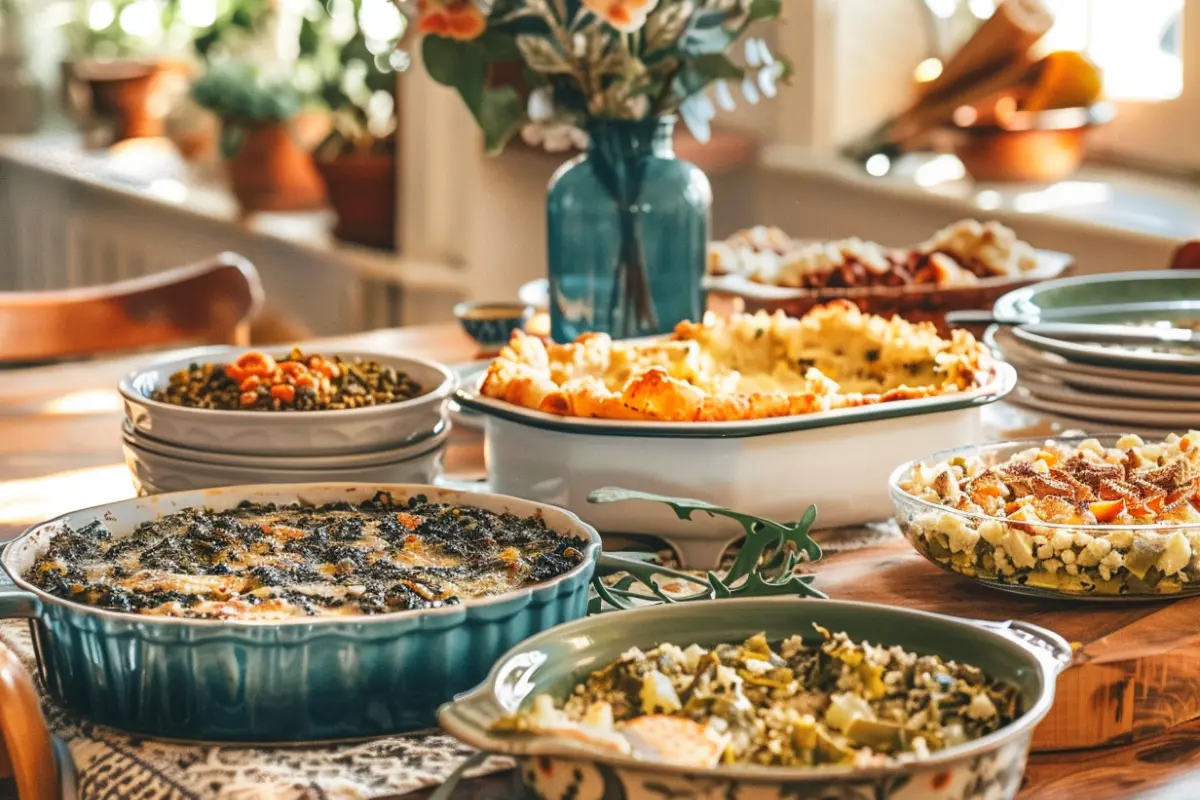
[{"x": 1099, "y": 200}]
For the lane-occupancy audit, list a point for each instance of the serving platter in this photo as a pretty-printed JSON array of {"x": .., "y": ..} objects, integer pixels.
[
  {"x": 1109, "y": 418},
  {"x": 558, "y": 766},
  {"x": 291, "y": 680},
  {"x": 1051, "y": 383},
  {"x": 1111, "y": 355},
  {"x": 1109, "y": 297},
  {"x": 469, "y": 374},
  {"x": 774, "y": 468},
  {"x": 308, "y": 433},
  {"x": 1107, "y": 390},
  {"x": 469, "y": 397},
  {"x": 1046, "y": 386},
  {"x": 914, "y": 302}
]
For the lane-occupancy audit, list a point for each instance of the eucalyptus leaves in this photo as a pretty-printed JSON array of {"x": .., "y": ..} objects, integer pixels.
[{"x": 597, "y": 59}]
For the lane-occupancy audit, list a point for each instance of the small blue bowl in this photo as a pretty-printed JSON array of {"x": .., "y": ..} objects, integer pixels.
[{"x": 491, "y": 324}]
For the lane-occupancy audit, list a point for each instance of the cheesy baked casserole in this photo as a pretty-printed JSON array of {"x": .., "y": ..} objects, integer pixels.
[
  {"x": 745, "y": 367},
  {"x": 266, "y": 562}
]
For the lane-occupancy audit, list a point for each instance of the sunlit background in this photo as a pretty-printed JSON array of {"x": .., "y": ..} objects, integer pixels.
[{"x": 1137, "y": 43}]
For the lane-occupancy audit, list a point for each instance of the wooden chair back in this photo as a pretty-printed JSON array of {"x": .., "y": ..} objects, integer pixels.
[
  {"x": 211, "y": 302},
  {"x": 26, "y": 751}
]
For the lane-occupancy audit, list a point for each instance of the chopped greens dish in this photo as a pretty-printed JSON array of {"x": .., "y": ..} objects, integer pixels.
[{"x": 829, "y": 701}]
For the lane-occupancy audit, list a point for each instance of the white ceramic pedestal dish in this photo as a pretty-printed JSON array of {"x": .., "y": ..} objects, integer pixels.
[
  {"x": 838, "y": 460},
  {"x": 303, "y": 433},
  {"x": 154, "y": 473}
]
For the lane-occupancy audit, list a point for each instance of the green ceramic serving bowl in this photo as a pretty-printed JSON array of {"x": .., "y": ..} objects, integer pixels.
[
  {"x": 289, "y": 681},
  {"x": 557, "y": 660},
  {"x": 1110, "y": 297}
]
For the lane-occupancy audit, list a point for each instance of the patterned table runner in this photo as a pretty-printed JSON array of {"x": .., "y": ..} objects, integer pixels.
[{"x": 116, "y": 766}]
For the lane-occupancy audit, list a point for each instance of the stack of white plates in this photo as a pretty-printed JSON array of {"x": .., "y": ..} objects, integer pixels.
[
  {"x": 1103, "y": 387},
  {"x": 172, "y": 448}
]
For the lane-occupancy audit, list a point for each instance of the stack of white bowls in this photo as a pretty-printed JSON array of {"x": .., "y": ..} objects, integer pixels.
[{"x": 172, "y": 448}]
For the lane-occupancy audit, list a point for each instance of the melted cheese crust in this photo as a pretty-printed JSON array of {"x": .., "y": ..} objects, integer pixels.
[
  {"x": 745, "y": 367},
  {"x": 267, "y": 563}
]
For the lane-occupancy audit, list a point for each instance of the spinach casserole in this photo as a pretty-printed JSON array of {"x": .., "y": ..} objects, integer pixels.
[
  {"x": 271, "y": 562},
  {"x": 796, "y": 703}
]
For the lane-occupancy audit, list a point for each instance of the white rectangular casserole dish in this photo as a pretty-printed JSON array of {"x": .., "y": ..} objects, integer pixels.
[{"x": 838, "y": 460}]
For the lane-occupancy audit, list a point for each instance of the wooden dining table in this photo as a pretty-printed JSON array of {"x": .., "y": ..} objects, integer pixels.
[{"x": 60, "y": 449}]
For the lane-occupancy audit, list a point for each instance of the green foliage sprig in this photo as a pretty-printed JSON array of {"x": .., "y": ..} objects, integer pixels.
[{"x": 765, "y": 565}]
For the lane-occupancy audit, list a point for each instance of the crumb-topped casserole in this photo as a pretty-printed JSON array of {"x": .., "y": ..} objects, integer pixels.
[
  {"x": 1038, "y": 517},
  {"x": 744, "y": 367},
  {"x": 960, "y": 254},
  {"x": 832, "y": 701},
  {"x": 268, "y": 562}
]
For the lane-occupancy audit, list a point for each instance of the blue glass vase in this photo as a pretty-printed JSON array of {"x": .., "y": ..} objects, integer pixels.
[{"x": 628, "y": 230}]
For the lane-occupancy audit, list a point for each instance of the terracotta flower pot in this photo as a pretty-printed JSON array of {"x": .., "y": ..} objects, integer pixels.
[
  {"x": 271, "y": 172},
  {"x": 127, "y": 94},
  {"x": 362, "y": 190}
]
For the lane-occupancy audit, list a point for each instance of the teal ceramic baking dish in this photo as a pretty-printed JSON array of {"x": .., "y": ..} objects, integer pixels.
[
  {"x": 555, "y": 661},
  {"x": 291, "y": 681}
]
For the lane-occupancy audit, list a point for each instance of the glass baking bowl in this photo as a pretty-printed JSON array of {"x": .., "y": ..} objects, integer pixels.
[{"x": 1062, "y": 560}]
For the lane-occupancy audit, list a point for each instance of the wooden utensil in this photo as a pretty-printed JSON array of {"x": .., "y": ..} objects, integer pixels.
[
  {"x": 995, "y": 59},
  {"x": 1002, "y": 40}
]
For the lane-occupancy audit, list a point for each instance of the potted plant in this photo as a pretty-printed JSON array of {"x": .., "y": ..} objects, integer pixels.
[
  {"x": 221, "y": 31},
  {"x": 121, "y": 64},
  {"x": 358, "y": 157},
  {"x": 627, "y": 221},
  {"x": 268, "y": 170}
]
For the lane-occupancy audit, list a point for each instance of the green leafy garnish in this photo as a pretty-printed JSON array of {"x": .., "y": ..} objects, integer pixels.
[{"x": 764, "y": 567}]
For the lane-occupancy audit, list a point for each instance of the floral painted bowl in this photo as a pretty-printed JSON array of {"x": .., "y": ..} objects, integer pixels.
[
  {"x": 553, "y": 662},
  {"x": 491, "y": 324}
]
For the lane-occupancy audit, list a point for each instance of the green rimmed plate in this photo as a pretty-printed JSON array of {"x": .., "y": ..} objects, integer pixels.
[
  {"x": 1135, "y": 298},
  {"x": 1110, "y": 298}
]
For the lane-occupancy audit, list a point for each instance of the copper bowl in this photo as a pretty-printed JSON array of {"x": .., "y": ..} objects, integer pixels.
[{"x": 1035, "y": 146}]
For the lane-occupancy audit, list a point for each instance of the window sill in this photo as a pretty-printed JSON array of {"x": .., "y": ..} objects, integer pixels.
[
  {"x": 150, "y": 171},
  {"x": 1099, "y": 201}
]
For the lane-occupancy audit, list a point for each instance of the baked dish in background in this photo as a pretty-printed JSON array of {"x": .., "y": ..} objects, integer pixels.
[
  {"x": 748, "y": 366},
  {"x": 966, "y": 266},
  {"x": 960, "y": 254}
]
